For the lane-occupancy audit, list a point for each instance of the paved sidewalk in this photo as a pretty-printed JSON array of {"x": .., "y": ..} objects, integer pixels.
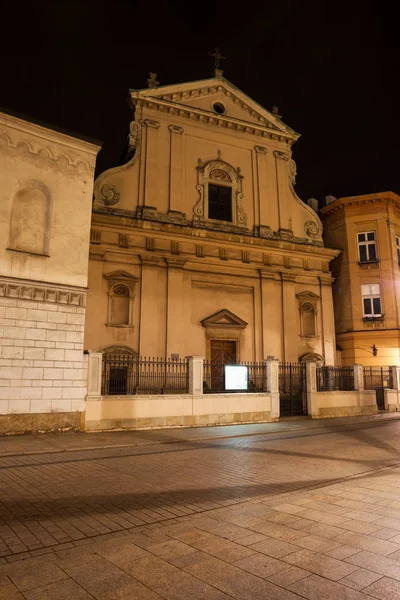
[
  {"x": 60, "y": 442},
  {"x": 297, "y": 509}
]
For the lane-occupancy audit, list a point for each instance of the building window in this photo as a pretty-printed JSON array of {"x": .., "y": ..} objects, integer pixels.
[
  {"x": 367, "y": 247},
  {"x": 371, "y": 299},
  {"x": 219, "y": 202},
  {"x": 121, "y": 294},
  {"x": 398, "y": 249},
  {"x": 120, "y": 305},
  {"x": 219, "y": 205},
  {"x": 308, "y": 311}
]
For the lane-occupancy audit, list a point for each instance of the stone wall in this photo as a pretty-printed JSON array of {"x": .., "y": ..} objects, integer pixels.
[{"x": 42, "y": 365}]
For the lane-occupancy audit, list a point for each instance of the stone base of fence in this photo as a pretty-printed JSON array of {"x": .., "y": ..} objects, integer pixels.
[
  {"x": 330, "y": 392},
  {"x": 147, "y": 412},
  {"x": 345, "y": 404}
]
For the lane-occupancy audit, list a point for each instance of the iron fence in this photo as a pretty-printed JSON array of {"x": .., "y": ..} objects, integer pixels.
[
  {"x": 214, "y": 377},
  {"x": 125, "y": 374},
  {"x": 292, "y": 389},
  {"x": 377, "y": 377},
  {"x": 335, "y": 378}
]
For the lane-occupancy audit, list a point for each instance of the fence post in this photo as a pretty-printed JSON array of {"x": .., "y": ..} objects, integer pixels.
[
  {"x": 358, "y": 371},
  {"x": 196, "y": 375},
  {"x": 94, "y": 374},
  {"x": 395, "y": 370},
  {"x": 312, "y": 393},
  {"x": 272, "y": 386}
]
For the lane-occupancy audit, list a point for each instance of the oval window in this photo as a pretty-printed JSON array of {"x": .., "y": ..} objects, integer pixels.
[{"x": 219, "y": 108}]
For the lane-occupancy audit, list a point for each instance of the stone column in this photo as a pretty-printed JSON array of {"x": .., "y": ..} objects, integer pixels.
[
  {"x": 176, "y": 323},
  {"x": 152, "y": 175},
  {"x": 289, "y": 318},
  {"x": 273, "y": 386},
  {"x": 196, "y": 375},
  {"x": 358, "y": 378},
  {"x": 94, "y": 374},
  {"x": 176, "y": 170},
  {"x": 312, "y": 394}
]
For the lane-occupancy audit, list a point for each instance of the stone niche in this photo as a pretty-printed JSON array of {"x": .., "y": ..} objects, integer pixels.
[{"x": 31, "y": 219}]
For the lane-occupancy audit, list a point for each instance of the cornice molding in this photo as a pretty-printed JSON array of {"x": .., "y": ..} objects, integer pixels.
[
  {"x": 209, "y": 118},
  {"x": 41, "y": 292},
  {"x": 341, "y": 203},
  {"x": 33, "y": 148}
]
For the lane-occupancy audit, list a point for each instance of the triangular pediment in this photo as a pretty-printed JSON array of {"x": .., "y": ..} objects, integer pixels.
[
  {"x": 307, "y": 296},
  {"x": 224, "y": 319},
  {"x": 120, "y": 276},
  {"x": 202, "y": 96}
]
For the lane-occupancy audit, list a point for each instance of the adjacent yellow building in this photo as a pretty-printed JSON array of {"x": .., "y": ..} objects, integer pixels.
[{"x": 367, "y": 276}]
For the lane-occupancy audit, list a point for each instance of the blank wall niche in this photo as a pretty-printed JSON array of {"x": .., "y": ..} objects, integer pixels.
[{"x": 31, "y": 219}]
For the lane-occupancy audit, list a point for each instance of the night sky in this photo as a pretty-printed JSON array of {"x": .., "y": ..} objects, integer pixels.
[{"x": 332, "y": 71}]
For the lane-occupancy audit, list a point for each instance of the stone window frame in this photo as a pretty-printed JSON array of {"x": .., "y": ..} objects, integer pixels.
[
  {"x": 115, "y": 279},
  {"x": 219, "y": 172},
  {"x": 308, "y": 300}
]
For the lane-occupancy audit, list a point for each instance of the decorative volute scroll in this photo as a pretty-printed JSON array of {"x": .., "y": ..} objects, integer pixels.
[
  {"x": 108, "y": 195},
  {"x": 221, "y": 173}
]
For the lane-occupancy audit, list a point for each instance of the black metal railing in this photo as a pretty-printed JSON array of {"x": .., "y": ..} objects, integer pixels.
[
  {"x": 292, "y": 389},
  {"x": 330, "y": 379},
  {"x": 214, "y": 377},
  {"x": 125, "y": 374},
  {"x": 377, "y": 377}
]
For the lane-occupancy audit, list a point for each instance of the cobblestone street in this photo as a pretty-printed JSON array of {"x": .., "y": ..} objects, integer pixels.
[{"x": 296, "y": 509}]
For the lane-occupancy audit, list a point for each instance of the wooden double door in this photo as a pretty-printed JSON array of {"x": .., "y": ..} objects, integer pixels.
[{"x": 223, "y": 352}]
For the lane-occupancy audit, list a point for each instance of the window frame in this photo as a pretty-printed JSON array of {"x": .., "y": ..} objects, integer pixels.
[
  {"x": 227, "y": 186},
  {"x": 397, "y": 241},
  {"x": 115, "y": 279},
  {"x": 371, "y": 296},
  {"x": 367, "y": 244}
]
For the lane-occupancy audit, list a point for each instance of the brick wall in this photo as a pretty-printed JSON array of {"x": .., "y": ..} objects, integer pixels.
[{"x": 42, "y": 365}]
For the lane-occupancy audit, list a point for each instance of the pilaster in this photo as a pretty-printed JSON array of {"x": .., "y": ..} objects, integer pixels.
[{"x": 176, "y": 167}]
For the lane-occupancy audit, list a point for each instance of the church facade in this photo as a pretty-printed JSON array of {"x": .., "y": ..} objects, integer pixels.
[
  {"x": 197, "y": 246},
  {"x": 199, "y": 243}
]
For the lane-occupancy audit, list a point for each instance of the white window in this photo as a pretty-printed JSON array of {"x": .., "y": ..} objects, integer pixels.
[
  {"x": 371, "y": 298},
  {"x": 367, "y": 247},
  {"x": 398, "y": 249}
]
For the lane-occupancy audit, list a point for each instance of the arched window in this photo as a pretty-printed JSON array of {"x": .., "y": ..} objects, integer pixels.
[
  {"x": 119, "y": 371},
  {"x": 121, "y": 294},
  {"x": 308, "y": 303},
  {"x": 220, "y": 195},
  {"x": 120, "y": 305},
  {"x": 30, "y": 219},
  {"x": 308, "y": 319}
]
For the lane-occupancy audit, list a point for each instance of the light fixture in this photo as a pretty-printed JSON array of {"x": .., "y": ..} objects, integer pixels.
[{"x": 374, "y": 350}]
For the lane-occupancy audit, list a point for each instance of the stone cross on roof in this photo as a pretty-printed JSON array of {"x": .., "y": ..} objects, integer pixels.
[{"x": 217, "y": 57}]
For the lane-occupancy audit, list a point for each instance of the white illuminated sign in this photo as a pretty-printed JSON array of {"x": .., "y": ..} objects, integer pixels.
[{"x": 236, "y": 377}]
